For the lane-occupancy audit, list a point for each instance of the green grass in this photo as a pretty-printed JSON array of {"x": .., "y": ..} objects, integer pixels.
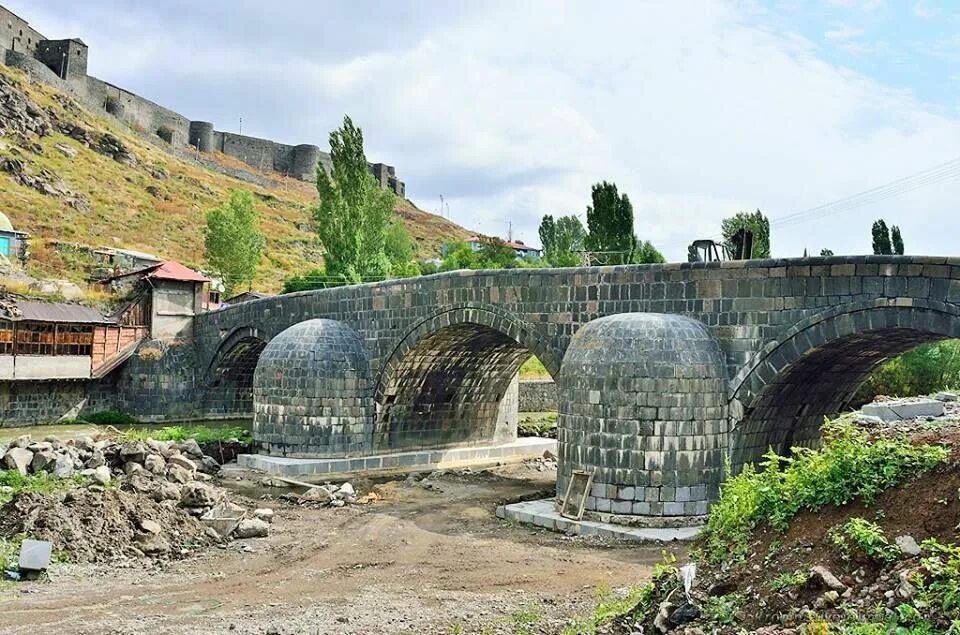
[
  {"x": 43, "y": 483},
  {"x": 863, "y": 536},
  {"x": 538, "y": 424},
  {"x": 199, "y": 433},
  {"x": 533, "y": 368},
  {"x": 849, "y": 466}
]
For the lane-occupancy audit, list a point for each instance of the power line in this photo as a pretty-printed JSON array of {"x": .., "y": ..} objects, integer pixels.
[{"x": 939, "y": 173}]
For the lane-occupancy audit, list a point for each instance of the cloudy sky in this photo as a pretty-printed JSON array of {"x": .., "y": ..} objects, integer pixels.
[{"x": 512, "y": 109}]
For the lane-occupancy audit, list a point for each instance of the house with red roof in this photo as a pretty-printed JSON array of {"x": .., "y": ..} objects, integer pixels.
[{"x": 164, "y": 297}]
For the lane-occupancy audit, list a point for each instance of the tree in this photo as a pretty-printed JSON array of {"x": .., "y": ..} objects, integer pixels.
[
  {"x": 496, "y": 254},
  {"x": 561, "y": 240},
  {"x": 826, "y": 252},
  {"x": 881, "y": 238},
  {"x": 401, "y": 251},
  {"x": 354, "y": 213},
  {"x": 610, "y": 225},
  {"x": 896, "y": 240},
  {"x": 754, "y": 222},
  {"x": 646, "y": 253},
  {"x": 233, "y": 244},
  {"x": 693, "y": 254},
  {"x": 459, "y": 255}
]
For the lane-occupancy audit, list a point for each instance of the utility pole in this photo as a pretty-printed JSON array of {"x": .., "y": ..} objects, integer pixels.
[
  {"x": 510, "y": 231},
  {"x": 441, "y": 206},
  {"x": 241, "y": 125}
]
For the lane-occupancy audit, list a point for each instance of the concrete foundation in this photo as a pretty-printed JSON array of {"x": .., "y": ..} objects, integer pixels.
[
  {"x": 543, "y": 513},
  {"x": 518, "y": 450},
  {"x": 904, "y": 409}
]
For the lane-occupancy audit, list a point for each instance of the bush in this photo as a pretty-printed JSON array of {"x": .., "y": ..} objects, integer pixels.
[
  {"x": 924, "y": 370},
  {"x": 850, "y": 465},
  {"x": 111, "y": 418},
  {"x": 867, "y": 537},
  {"x": 199, "y": 433}
]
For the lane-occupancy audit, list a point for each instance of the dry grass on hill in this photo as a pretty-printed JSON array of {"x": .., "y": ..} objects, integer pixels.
[{"x": 167, "y": 219}]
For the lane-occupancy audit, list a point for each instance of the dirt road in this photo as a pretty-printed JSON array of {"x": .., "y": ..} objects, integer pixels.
[{"x": 419, "y": 561}]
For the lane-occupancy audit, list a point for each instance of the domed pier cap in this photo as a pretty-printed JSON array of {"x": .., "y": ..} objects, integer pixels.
[
  {"x": 312, "y": 392},
  {"x": 642, "y": 401}
]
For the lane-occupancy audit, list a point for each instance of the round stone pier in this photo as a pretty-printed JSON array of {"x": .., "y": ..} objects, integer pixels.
[
  {"x": 643, "y": 407},
  {"x": 312, "y": 392}
]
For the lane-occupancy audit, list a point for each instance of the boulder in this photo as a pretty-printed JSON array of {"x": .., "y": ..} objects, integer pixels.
[
  {"x": 63, "y": 466},
  {"x": 101, "y": 475},
  {"x": 264, "y": 513},
  {"x": 130, "y": 467},
  {"x": 150, "y": 526},
  {"x": 823, "y": 576},
  {"x": 178, "y": 474},
  {"x": 168, "y": 492},
  {"x": 23, "y": 441},
  {"x": 198, "y": 495},
  {"x": 18, "y": 458},
  {"x": 191, "y": 448},
  {"x": 209, "y": 465},
  {"x": 182, "y": 461},
  {"x": 252, "y": 528},
  {"x": 133, "y": 451},
  {"x": 154, "y": 464},
  {"x": 908, "y": 546},
  {"x": 317, "y": 494},
  {"x": 151, "y": 543},
  {"x": 42, "y": 459},
  {"x": 96, "y": 460}
]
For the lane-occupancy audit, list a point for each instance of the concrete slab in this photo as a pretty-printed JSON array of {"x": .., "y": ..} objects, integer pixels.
[
  {"x": 518, "y": 450},
  {"x": 543, "y": 513},
  {"x": 903, "y": 409}
]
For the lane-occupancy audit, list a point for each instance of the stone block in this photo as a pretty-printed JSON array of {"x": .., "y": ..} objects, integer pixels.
[{"x": 903, "y": 409}]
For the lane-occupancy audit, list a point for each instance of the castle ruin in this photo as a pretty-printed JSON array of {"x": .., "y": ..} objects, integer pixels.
[{"x": 63, "y": 64}]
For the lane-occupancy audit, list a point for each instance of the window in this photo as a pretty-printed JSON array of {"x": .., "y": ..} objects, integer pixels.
[
  {"x": 35, "y": 339},
  {"x": 74, "y": 340},
  {"x": 6, "y": 337}
]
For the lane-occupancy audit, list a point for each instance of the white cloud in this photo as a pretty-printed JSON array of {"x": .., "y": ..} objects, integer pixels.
[
  {"x": 696, "y": 109},
  {"x": 843, "y": 33},
  {"x": 924, "y": 11}
]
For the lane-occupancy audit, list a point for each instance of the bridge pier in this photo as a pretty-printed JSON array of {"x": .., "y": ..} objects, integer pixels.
[
  {"x": 312, "y": 393},
  {"x": 643, "y": 406}
]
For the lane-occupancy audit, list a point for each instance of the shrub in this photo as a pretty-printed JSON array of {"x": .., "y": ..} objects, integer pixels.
[
  {"x": 865, "y": 536},
  {"x": 111, "y": 418},
  {"x": 723, "y": 610},
  {"x": 788, "y": 579},
  {"x": 850, "y": 465}
]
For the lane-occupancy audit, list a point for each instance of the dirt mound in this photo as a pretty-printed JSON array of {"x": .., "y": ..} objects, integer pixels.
[{"x": 103, "y": 525}]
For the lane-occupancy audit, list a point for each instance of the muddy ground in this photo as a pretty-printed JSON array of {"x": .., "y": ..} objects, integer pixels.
[{"x": 419, "y": 561}]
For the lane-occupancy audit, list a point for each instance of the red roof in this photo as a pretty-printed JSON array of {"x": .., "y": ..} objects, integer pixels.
[{"x": 171, "y": 270}]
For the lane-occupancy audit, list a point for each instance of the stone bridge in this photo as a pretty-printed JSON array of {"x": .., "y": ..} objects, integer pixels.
[{"x": 663, "y": 371}]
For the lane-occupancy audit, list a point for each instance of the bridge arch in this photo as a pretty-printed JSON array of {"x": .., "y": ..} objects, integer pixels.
[
  {"x": 814, "y": 369},
  {"x": 228, "y": 380},
  {"x": 446, "y": 379}
]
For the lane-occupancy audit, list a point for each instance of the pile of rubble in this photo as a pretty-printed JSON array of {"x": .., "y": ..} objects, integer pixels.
[{"x": 122, "y": 498}]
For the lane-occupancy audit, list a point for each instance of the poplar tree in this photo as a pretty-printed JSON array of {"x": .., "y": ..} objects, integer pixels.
[
  {"x": 354, "y": 213},
  {"x": 233, "y": 244}
]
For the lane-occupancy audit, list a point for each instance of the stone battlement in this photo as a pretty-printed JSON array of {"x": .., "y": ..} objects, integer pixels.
[{"x": 63, "y": 64}]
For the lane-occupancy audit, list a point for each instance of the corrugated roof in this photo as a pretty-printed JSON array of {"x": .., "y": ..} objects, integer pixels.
[
  {"x": 167, "y": 270},
  {"x": 58, "y": 312},
  {"x": 171, "y": 270}
]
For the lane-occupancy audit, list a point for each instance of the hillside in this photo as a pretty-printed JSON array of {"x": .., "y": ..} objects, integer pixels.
[{"x": 72, "y": 176}]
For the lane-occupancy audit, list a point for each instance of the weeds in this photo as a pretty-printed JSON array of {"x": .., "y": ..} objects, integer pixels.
[
  {"x": 13, "y": 482},
  {"x": 867, "y": 537},
  {"x": 199, "y": 433},
  {"x": 723, "y": 610},
  {"x": 788, "y": 579},
  {"x": 850, "y": 465},
  {"x": 525, "y": 618}
]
